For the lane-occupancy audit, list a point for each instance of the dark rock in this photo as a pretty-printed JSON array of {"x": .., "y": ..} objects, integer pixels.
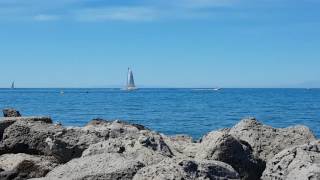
[
  {"x": 11, "y": 113},
  {"x": 172, "y": 169},
  {"x": 267, "y": 141},
  {"x": 155, "y": 142},
  {"x": 300, "y": 162},
  {"x": 223, "y": 147},
  {"x": 28, "y": 137},
  {"x": 4, "y": 124},
  {"x": 39, "y": 138}
]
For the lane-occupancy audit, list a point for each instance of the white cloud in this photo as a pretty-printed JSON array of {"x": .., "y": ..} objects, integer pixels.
[
  {"x": 116, "y": 14},
  {"x": 89, "y": 10},
  {"x": 45, "y": 17},
  {"x": 205, "y": 3}
]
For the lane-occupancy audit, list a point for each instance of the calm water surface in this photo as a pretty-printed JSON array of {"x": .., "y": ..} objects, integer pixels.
[{"x": 171, "y": 111}]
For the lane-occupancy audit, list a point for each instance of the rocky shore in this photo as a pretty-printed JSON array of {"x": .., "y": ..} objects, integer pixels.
[{"x": 36, "y": 148}]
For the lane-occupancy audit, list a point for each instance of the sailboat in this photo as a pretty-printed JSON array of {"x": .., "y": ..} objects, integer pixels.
[
  {"x": 12, "y": 85},
  {"x": 130, "y": 81}
]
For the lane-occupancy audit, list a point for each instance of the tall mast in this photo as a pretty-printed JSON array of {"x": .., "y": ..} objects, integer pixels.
[{"x": 128, "y": 77}]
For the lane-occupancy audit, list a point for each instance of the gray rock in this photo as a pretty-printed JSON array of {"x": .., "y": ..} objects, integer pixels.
[
  {"x": 28, "y": 137},
  {"x": 149, "y": 148},
  {"x": 11, "y": 113},
  {"x": 267, "y": 141},
  {"x": 223, "y": 147},
  {"x": 178, "y": 144},
  {"x": 114, "y": 129},
  {"x": 4, "y": 124},
  {"x": 99, "y": 122},
  {"x": 107, "y": 166},
  {"x": 37, "y": 137},
  {"x": 28, "y": 118},
  {"x": 8, "y": 121},
  {"x": 155, "y": 142},
  {"x": 295, "y": 163},
  {"x": 172, "y": 169},
  {"x": 23, "y": 166}
]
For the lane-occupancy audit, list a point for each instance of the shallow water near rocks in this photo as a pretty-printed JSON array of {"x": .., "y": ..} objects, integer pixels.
[{"x": 171, "y": 111}]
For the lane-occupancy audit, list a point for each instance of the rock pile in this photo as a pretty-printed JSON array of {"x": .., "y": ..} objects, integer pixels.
[{"x": 34, "y": 147}]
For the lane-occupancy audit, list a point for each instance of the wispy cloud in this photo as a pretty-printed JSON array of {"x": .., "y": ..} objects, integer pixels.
[
  {"x": 88, "y": 10},
  {"x": 120, "y": 13},
  {"x": 45, "y": 17},
  {"x": 125, "y": 10}
]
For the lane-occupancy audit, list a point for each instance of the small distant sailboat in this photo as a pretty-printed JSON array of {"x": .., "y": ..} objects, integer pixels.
[
  {"x": 217, "y": 89},
  {"x": 130, "y": 81},
  {"x": 12, "y": 85}
]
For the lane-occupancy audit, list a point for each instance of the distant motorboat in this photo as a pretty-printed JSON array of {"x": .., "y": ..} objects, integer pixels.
[
  {"x": 130, "y": 86},
  {"x": 207, "y": 89}
]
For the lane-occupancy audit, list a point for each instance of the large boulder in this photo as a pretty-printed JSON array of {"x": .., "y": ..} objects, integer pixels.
[
  {"x": 28, "y": 137},
  {"x": 41, "y": 138},
  {"x": 176, "y": 168},
  {"x": 149, "y": 148},
  {"x": 11, "y": 113},
  {"x": 221, "y": 146},
  {"x": 24, "y": 166},
  {"x": 100, "y": 166},
  {"x": 8, "y": 121},
  {"x": 267, "y": 141},
  {"x": 296, "y": 163}
]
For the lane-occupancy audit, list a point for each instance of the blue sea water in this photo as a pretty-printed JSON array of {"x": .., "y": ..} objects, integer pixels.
[{"x": 171, "y": 111}]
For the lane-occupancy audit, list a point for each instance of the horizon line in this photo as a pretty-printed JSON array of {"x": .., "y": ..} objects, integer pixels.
[{"x": 163, "y": 88}]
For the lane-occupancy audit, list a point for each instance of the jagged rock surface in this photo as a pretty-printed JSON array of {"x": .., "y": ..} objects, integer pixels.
[
  {"x": 37, "y": 137},
  {"x": 267, "y": 141},
  {"x": 149, "y": 148},
  {"x": 179, "y": 145},
  {"x": 102, "y": 166},
  {"x": 23, "y": 166},
  {"x": 172, "y": 169},
  {"x": 296, "y": 163}
]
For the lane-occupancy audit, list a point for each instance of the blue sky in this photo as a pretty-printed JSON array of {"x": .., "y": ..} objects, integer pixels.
[{"x": 168, "y": 43}]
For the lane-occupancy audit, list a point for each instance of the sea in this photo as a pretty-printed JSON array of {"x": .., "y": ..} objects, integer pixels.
[{"x": 193, "y": 112}]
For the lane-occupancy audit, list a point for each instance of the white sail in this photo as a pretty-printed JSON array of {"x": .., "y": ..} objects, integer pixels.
[
  {"x": 12, "y": 85},
  {"x": 130, "y": 80}
]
